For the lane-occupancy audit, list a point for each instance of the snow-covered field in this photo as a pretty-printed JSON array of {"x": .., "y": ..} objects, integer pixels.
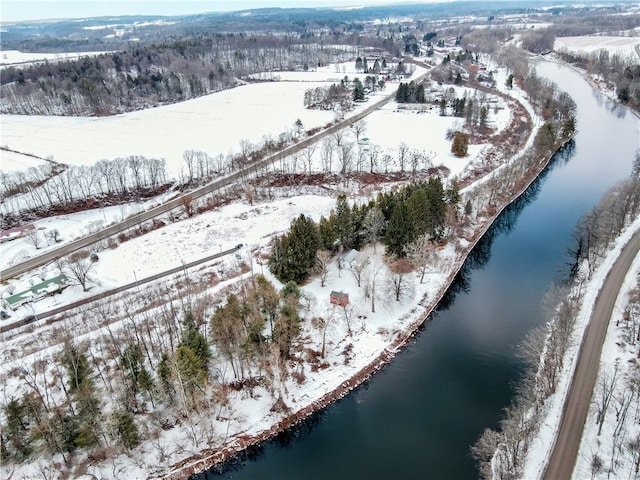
[
  {"x": 16, "y": 57},
  {"x": 216, "y": 124},
  {"x": 626, "y": 47}
]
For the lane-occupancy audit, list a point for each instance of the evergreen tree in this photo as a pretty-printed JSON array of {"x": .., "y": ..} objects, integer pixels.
[
  {"x": 420, "y": 96},
  {"x": 66, "y": 431},
  {"x": 344, "y": 223},
  {"x": 509, "y": 82},
  {"x": 16, "y": 429},
  {"x": 190, "y": 371},
  {"x": 130, "y": 362},
  {"x": 452, "y": 195},
  {"x": 126, "y": 429},
  {"x": 468, "y": 209},
  {"x": 418, "y": 208},
  {"x": 146, "y": 384},
  {"x": 327, "y": 232},
  {"x": 79, "y": 370},
  {"x": 358, "y": 90},
  {"x": 164, "y": 375},
  {"x": 228, "y": 332},
  {"x": 296, "y": 252},
  {"x": 267, "y": 299},
  {"x": 88, "y": 416},
  {"x": 398, "y": 230},
  {"x": 402, "y": 93},
  {"x": 285, "y": 329},
  {"x": 483, "y": 117},
  {"x": 460, "y": 145},
  {"x": 437, "y": 210},
  {"x": 192, "y": 338}
]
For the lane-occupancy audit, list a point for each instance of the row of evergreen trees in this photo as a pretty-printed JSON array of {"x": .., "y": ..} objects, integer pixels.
[
  {"x": 395, "y": 218},
  {"x": 411, "y": 92}
]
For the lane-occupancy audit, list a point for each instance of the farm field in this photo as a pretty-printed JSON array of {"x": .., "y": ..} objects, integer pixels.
[{"x": 626, "y": 47}]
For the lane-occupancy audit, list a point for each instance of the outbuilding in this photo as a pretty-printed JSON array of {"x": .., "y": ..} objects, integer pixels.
[{"x": 339, "y": 298}]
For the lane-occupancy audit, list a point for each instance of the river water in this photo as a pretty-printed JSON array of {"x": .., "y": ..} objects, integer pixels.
[{"x": 418, "y": 417}]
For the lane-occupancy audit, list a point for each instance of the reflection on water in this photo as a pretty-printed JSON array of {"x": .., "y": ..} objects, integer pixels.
[{"x": 418, "y": 417}]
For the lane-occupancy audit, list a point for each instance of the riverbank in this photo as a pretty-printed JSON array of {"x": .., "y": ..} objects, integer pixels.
[
  {"x": 210, "y": 457},
  {"x": 616, "y": 361}
]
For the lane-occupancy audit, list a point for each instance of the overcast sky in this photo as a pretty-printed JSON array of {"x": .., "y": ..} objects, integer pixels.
[{"x": 17, "y": 10}]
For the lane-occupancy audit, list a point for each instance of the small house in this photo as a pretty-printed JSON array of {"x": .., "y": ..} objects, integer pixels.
[
  {"x": 349, "y": 257},
  {"x": 339, "y": 298},
  {"x": 15, "y": 232},
  {"x": 36, "y": 292}
]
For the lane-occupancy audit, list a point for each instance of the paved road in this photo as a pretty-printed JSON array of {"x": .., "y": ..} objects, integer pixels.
[
  {"x": 113, "y": 291},
  {"x": 576, "y": 407},
  {"x": 180, "y": 201}
]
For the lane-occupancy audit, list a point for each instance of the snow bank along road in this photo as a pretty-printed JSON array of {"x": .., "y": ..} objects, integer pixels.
[
  {"x": 563, "y": 456},
  {"x": 181, "y": 200},
  {"x": 113, "y": 291}
]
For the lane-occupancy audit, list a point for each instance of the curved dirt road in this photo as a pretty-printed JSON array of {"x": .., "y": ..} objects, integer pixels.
[{"x": 574, "y": 413}]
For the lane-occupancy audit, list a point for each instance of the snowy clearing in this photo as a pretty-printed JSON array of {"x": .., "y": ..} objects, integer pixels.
[
  {"x": 214, "y": 124},
  {"x": 16, "y": 57},
  {"x": 626, "y": 47}
]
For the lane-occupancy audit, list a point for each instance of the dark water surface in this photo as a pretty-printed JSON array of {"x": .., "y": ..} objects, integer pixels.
[{"x": 419, "y": 416}]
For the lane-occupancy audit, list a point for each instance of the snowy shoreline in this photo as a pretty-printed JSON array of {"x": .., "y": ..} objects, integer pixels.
[{"x": 210, "y": 457}]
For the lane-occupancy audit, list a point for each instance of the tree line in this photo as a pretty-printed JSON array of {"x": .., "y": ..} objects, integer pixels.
[
  {"x": 546, "y": 345},
  {"x": 416, "y": 212},
  {"x": 40, "y": 190},
  {"x": 622, "y": 72},
  {"x": 153, "y": 75}
]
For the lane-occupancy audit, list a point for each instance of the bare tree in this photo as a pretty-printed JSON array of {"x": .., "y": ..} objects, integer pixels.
[
  {"x": 358, "y": 268},
  {"x": 386, "y": 160},
  {"x": 245, "y": 150},
  {"x": 32, "y": 236},
  {"x": 607, "y": 385},
  {"x": 374, "y": 154},
  {"x": 346, "y": 157},
  {"x": 338, "y": 137},
  {"x": 371, "y": 280},
  {"x": 307, "y": 154},
  {"x": 360, "y": 127},
  {"x": 633, "y": 446},
  {"x": 189, "y": 157},
  {"x": 420, "y": 254},
  {"x": 397, "y": 278},
  {"x": 78, "y": 267},
  {"x": 321, "y": 268},
  {"x": 326, "y": 153},
  {"x": 403, "y": 151}
]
